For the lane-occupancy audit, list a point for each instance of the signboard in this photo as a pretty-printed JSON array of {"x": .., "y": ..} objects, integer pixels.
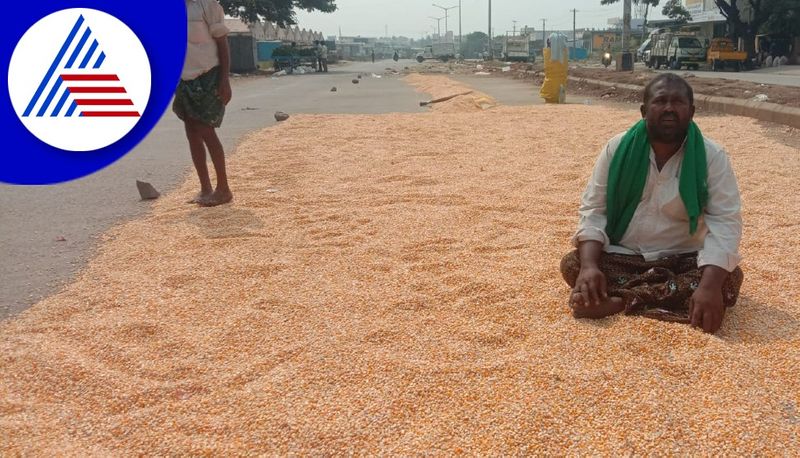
[{"x": 694, "y": 6}]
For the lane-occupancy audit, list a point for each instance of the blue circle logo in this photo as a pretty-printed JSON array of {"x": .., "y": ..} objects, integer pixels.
[{"x": 86, "y": 83}]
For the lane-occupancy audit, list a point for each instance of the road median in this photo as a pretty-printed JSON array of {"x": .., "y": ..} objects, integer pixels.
[{"x": 763, "y": 111}]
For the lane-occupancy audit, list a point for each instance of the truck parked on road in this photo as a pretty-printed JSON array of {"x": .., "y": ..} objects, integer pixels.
[
  {"x": 722, "y": 53},
  {"x": 675, "y": 50},
  {"x": 439, "y": 51},
  {"x": 518, "y": 49}
]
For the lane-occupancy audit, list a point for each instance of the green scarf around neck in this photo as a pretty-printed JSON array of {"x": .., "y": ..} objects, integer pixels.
[{"x": 628, "y": 171}]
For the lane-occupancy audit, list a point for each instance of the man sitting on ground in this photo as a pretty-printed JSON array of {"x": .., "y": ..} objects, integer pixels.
[{"x": 660, "y": 220}]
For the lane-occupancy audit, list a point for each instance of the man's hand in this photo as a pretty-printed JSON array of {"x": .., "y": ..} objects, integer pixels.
[
  {"x": 590, "y": 287},
  {"x": 706, "y": 308},
  {"x": 224, "y": 91}
]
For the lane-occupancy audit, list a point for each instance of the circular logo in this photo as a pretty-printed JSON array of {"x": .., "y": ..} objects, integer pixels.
[
  {"x": 88, "y": 80},
  {"x": 79, "y": 79}
]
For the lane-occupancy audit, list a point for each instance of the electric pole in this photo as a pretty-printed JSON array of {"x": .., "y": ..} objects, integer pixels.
[
  {"x": 491, "y": 48},
  {"x": 514, "y": 32},
  {"x": 459, "y": 26},
  {"x": 544, "y": 40},
  {"x": 626, "y": 24},
  {"x": 574, "y": 35},
  {"x": 446, "y": 9},
  {"x": 438, "y": 26}
]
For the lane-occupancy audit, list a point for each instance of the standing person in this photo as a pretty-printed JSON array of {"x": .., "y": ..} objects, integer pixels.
[
  {"x": 373, "y": 55},
  {"x": 202, "y": 94},
  {"x": 660, "y": 220},
  {"x": 323, "y": 56}
]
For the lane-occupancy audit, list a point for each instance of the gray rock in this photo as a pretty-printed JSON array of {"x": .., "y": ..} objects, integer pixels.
[
  {"x": 355, "y": 81},
  {"x": 146, "y": 190},
  {"x": 281, "y": 116}
]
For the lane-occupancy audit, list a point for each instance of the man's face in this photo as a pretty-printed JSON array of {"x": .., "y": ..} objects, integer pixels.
[{"x": 668, "y": 113}]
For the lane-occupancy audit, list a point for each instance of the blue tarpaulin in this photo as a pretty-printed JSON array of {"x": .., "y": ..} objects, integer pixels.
[
  {"x": 578, "y": 54},
  {"x": 265, "y": 49}
]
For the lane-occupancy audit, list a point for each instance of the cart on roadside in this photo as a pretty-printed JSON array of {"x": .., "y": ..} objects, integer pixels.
[{"x": 290, "y": 58}]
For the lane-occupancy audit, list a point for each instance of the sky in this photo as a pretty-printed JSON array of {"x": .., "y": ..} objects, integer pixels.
[{"x": 411, "y": 18}]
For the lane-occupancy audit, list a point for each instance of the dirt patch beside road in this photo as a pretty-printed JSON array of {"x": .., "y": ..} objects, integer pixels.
[
  {"x": 745, "y": 90},
  {"x": 782, "y": 95}
]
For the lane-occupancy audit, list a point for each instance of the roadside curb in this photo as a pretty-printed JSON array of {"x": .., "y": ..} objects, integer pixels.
[{"x": 764, "y": 111}]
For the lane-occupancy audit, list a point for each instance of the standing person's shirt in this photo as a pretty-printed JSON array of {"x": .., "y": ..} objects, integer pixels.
[
  {"x": 206, "y": 22},
  {"x": 660, "y": 224},
  {"x": 323, "y": 52}
]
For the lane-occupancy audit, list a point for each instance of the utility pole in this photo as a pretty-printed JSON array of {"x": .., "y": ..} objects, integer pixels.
[
  {"x": 626, "y": 25},
  {"x": 574, "y": 36},
  {"x": 438, "y": 26},
  {"x": 544, "y": 40},
  {"x": 514, "y": 32},
  {"x": 459, "y": 26},
  {"x": 386, "y": 31},
  {"x": 491, "y": 48},
  {"x": 445, "y": 14}
]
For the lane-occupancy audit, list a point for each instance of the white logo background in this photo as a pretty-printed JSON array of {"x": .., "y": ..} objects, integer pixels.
[{"x": 33, "y": 56}]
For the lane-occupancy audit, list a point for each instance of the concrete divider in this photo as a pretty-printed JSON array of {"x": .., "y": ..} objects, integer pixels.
[{"x": 764, "y": 111}]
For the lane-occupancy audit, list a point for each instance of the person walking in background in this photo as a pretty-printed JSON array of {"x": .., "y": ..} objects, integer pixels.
[{"x": 202, "y": 94}]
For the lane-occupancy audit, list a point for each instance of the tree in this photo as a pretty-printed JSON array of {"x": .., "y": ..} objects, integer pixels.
[
  {"x": 280, "y": 11},
  {"x": 674, "y": 9},
  {"x": 784, "y": 18},
  {"x": 474, "y": 43},
  {"x": 737, "y": 26}
]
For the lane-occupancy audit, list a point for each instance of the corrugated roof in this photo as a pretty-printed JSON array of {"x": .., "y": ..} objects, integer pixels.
[{"x": 236, "y": 25}]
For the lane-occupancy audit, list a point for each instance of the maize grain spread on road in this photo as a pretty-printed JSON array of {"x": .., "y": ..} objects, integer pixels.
[{"x": 395, "y": 290}]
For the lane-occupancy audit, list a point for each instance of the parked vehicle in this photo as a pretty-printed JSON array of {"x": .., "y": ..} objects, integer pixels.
[
  {"x": 289, "y": 58},
  {"x": 722, "y": 53},
  {"x": 645, "y": 46},
  {"x": 518, "y": 48},
  {"x": 440, "y": 51},
  {"x": 676, "y": 50}
]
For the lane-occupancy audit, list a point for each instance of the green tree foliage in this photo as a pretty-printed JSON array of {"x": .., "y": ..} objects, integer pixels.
[
  {"x": 784, "y": 18},
  {"x": 474, "y": 43},
  {"x": 771, "y": 16},
  {"x": 280, "y": 11},
  {"x": 674, "y": 9}
]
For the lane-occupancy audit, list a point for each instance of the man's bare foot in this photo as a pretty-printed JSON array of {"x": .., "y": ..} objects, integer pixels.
[
  {"x": 607, "y": 307},
  {"x": 199, "y": 197},
  {"x": 216, "y": 198}
]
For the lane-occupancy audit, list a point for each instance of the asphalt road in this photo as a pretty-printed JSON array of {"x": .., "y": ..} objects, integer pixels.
[
  {"x": 788, "y": 75},
  {"x": 34, "y": 218}
]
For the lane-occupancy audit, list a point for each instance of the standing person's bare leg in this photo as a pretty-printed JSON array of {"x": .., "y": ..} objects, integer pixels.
[
  {"x": 222, "y": 194},
  {"x": 196, "y": 146}
]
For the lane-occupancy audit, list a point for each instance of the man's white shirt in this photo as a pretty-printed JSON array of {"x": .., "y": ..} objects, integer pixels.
[{"x": 660, "y": 224}]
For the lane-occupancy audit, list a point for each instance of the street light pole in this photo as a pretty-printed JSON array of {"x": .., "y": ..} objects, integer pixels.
[
  {"x": 459, "y": 26},
  {"x": 491, "y": 48},
  {"x": 544, "y": 40},
  {"x": 626, "y": 25},
  {"x": 445, "y": 14},
  {"x": 438, "y": 26}
]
